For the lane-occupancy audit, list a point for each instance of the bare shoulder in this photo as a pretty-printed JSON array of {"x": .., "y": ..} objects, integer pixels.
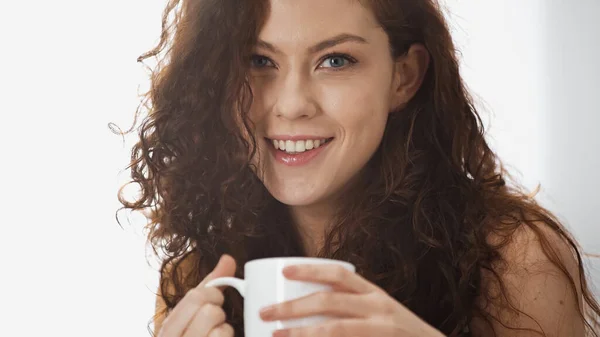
[
  {"x": 539, "y": 292},
  {"x": 182, "y": 266}
]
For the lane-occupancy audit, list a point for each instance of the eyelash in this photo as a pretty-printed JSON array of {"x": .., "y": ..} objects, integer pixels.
[{"x": 351, "y": 61}]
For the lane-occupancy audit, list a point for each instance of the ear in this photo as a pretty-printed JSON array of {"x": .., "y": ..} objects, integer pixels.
[{"x": 409, "y": 72}]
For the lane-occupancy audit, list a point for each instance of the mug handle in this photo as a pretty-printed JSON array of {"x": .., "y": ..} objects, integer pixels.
[{"x": 238, "y": 284}]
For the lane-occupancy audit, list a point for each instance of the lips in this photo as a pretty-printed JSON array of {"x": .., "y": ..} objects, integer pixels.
[{"x": 297, "y": 152}]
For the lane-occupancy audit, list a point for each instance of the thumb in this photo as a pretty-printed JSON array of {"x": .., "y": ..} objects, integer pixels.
[{"x": 225, "y": 267}]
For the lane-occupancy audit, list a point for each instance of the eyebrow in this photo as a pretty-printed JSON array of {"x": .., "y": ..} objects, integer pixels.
[{"x": 338, "y": 39}]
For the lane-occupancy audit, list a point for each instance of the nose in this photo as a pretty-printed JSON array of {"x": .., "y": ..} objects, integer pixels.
[{"x": 294, "y": 99}]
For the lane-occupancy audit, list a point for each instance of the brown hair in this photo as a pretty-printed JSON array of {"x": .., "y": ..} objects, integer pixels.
[{"x": 432, "y": 195}]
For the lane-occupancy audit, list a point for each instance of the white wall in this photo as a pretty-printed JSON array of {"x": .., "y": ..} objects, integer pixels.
[
  {"x": 68, "y": 68},
  {"x": 534, "y": 66},
  {"x": 573, "y": 90}
]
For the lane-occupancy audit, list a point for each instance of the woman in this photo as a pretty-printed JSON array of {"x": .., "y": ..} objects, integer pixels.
[{"x": 340, "y": 129}]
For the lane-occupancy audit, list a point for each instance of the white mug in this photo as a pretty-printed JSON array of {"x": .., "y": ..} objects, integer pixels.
[{"x": 265, "y": 285}]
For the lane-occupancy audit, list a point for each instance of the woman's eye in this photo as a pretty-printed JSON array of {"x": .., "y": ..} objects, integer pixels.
[
  {"x": 259, "y": 61},
  {"x": 337, "y": 61}
]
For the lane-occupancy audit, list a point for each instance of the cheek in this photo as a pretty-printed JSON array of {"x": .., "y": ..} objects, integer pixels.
[
  {"x": 362, "y": 97},
  {"x": 257, "y": 117},
  {"x": 262, "y": 95},
  {"x": 250, "y": 126},
  {"x": 361, "y": 111},
  {"x": 370, "y": 108},
  {"x": 256, "y": 112}
]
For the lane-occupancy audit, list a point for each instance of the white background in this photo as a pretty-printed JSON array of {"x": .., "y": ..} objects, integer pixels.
[{"x": 68, "y": 69}]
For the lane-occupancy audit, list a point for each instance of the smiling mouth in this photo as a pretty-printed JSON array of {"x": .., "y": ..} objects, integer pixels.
[{"x": 298, "y": 146}]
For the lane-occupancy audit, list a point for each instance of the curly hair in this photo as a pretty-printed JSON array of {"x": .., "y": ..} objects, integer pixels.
[{"x": 431, "y": 196}]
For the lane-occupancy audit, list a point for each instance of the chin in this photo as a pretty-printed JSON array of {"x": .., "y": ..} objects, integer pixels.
[
  {"x": 297, "y": 195},
  {"x": 296, "y": 199}
]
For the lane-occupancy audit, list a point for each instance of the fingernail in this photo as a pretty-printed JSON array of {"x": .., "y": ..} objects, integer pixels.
[
  {"x": 267, "y": 312},
  {"x": 290, "y": 270},
  {"x": 281, "y": 333}
]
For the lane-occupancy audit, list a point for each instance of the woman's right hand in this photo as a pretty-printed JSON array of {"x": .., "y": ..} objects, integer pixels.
[{"x": 199, "y": 313}]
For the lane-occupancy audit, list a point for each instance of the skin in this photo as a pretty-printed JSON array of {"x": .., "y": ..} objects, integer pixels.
[
  {"x": 534, "y": 285},
  {"x": 299, "y": 90},
  {"x": 199, "y": 313}
]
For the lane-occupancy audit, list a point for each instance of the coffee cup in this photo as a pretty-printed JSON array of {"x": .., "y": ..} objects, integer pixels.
[{"x": 265, "y": 284}]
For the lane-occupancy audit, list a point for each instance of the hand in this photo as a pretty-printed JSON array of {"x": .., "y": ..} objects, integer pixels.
[
  {"x": 199, "y": 313},
  {"x": 363, "y": 309}
]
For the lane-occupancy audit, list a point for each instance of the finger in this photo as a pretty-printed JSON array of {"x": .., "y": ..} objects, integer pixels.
[
  {"x": 341, "y": 328},
  {"x": 225, "y": 267},
  {"x": 336, "y": 276},
  {"x": 223, "y": 330},
  {"x": 323, "y": 303},
  {"x": 206, "y": 319},
  {"x": 186, "y": 309}
]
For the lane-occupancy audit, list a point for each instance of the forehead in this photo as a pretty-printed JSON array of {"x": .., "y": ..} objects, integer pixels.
[{"x": 299, "y": 22}]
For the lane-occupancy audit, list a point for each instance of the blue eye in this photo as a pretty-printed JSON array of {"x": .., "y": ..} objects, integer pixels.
[
  {"x": 337, "y": 61},
  {"x": 259, "y": 61}
]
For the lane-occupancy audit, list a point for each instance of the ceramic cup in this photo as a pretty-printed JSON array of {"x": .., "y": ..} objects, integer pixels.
[{"x": 264, "y": 284}]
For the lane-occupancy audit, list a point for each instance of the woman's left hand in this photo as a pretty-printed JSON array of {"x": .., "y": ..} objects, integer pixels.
[{"x": 363, "y": 309}]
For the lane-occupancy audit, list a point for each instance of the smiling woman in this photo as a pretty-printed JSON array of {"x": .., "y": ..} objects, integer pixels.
[
  {"x": 330, "y": 84},
  {"x": 340, "y": 129}
]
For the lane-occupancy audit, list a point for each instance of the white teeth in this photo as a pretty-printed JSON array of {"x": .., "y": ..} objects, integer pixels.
[
  {"x": 290, "y": 146},
  {"x": 299, "y": 146},
  {"x": 309, "y": 144}
]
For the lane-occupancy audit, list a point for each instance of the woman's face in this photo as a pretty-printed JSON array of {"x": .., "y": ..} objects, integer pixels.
[{"x": 323, "y": 81}]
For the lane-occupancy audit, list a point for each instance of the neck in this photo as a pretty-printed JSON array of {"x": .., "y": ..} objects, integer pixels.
[{"x": 312, "y": 222}]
